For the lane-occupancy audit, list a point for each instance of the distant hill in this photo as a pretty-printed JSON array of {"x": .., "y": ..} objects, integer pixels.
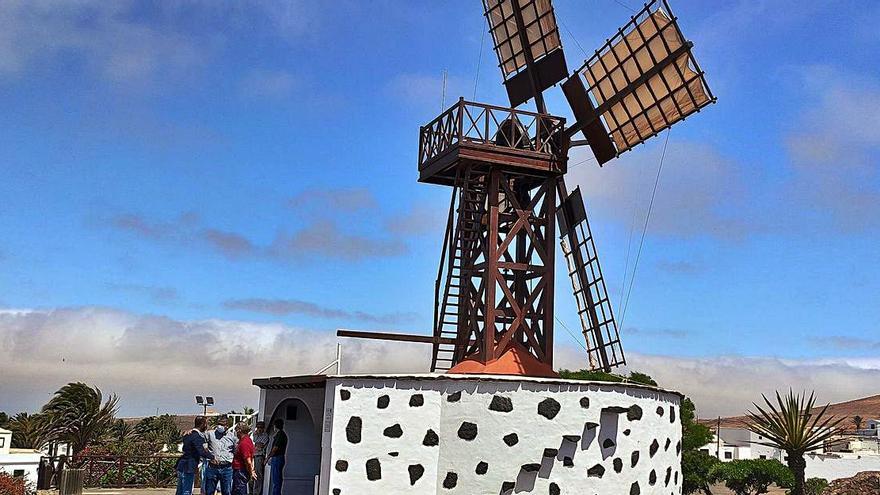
[{"x": 867, "y": 408}]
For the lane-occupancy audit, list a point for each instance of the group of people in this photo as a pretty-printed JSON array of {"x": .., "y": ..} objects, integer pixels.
[{"x": 232, "y": 462}]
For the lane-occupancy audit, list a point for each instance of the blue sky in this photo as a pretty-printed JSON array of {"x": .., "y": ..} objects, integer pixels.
[{"x": 254, "y": 164}]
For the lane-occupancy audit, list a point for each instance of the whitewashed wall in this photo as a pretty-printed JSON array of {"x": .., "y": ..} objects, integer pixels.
[
  {"x": 442, "y": 434},
  {"x": 844, "y": 466}
]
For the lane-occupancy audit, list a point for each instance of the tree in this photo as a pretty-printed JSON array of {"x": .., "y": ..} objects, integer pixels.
[
  {"x": 158, "y": 432},
  {"x": 601, "y": 376},
  {"x": 29, "y": 431},
  {"x": 792, "y": 425},
  {"x": 857, "y": 421},
  {"x": 751, "y": 476},
  {"x": 4, "y": 419},
  {"x": 10, "y": 485},
  {"x": 697, "y": 468},
  {"x": 77, "y": 416}
]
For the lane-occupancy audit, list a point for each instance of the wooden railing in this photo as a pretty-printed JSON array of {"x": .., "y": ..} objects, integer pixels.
[
  {"x": 479, "y": 123},
  {"x": 108, "y": 471}
]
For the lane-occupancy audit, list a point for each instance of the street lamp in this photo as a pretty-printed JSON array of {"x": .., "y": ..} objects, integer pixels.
[{"x": 204, "y": 402}]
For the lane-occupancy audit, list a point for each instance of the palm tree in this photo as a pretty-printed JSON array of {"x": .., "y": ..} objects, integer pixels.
[
  {"x": 792, "y": 425},
  {"x": 857, "y": 420},
  {"x": 29, "y": 431},
  {"x": 78, "y": 417}
]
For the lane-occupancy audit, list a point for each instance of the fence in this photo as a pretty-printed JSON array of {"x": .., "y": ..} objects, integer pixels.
[{"x": 106, "y": 471}]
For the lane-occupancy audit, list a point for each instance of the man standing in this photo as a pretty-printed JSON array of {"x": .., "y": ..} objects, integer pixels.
[
  {"x": 243, "y": 471},
  {"x": 261, "y": 440},
  {"x": 193, "y": 452},
  {"x": 276, "y": 456},
  {"x": 221, "y": 444}
]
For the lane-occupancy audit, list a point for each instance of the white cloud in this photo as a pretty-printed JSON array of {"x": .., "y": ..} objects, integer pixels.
[
  {"x": 158, "y": 362},
  {"x": 701, "y": 192},
  {"x": 100, "y": 34}
]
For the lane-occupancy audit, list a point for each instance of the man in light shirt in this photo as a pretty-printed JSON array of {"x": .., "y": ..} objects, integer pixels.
[
  {"x": 261, "y": 441},
  {"x": 221, "y": 443}
]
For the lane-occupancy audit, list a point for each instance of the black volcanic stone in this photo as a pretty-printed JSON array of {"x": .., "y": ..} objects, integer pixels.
[
  {"x": 482, "y": 468},
  {"x": 590, "y": 425},
  {"x": 627, "y": 432},
  {"x": 549, "y": 408},
  {"x": 467, "y": 431},
  {"x": 660, "y": 411},
  {"x": 615, "y": 409},
  {"x": 672, "y": 414},
  {"x": 450, "y": 481},
  {"x": 374, "y": 470},
  {"x": 511, "y": 439},
  {"x": 668, "y": 443},
  {"x": 652, "y": 478},
  {"x": 618, "y": 465},
  {"x": 454, "y": 397},
  {"x": 554, "y": 489},
  {"x": 415, "y": 472},
  {"x": 394, "y": 454},
  {"x": 501, "y": 404},
  {"x": 607, "y": 443},
  {"x": 678, "y": 447},
  {"x": 676, "y": 477},
  {"x": 567, "y": 461},
  {"x": 668, "y": 475},
  {"x": 394, "y": 431},
  {"x": 634, "y": 413},
  {"x": 507, "y": 485},
  {"x": 635, "y": 489},
  {"x": 585, "y": 402},
  {"x": 634, "y": 458},
  {"x": 344, "y": 394},
  {"x": 353, "y": 430},
  {"x": 596, "y": 471},
  {"x": 531, "y": 468},
  {"x": 571, "y": 438},
  {"x": 655, "y": 446},
  {"x": 551, "y": 452},
  {"x": 417, "y": 400},
  {"x": 336, "y": 491},
  {"x": 341, "y": 466},
  {"x": 431, "y": 439},
  {"x": 383, "y": 402}
]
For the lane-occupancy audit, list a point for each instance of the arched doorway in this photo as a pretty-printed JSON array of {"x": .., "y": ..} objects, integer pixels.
[{"x": 303, "y": 455}]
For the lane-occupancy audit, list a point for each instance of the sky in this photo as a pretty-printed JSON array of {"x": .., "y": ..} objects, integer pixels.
[{"x": 194, "y": 194}]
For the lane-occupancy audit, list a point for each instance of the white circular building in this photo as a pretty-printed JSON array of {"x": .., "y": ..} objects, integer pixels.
[{"x": 474, "y": 434}]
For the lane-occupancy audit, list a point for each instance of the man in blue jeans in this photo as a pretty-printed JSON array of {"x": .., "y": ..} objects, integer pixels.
[
  {"x": 193, "y": 452},
  {"x": 221, "y": 443},
  {"x": 275, "y": 458}
]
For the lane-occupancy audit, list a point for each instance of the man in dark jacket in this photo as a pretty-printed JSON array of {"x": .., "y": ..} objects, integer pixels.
[{"x": 193, "y": 451}]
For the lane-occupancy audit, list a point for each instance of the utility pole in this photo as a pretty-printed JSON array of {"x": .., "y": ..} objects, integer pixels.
[{"x": 718, "y": 439}]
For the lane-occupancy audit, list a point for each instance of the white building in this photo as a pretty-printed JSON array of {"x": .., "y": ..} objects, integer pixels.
[
  {"x": 854, "y": 455},
  {"x": 18, "y": 462},
  {"x": 740, "y": 443},
  {"x": 473, "y": 434},
  {"x": 871, "y": 429}
]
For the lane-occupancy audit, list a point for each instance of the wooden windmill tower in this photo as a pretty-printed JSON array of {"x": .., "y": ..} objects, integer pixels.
[{"x": 494, "y": 300}]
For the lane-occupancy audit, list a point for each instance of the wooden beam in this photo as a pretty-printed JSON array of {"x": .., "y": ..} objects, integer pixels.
[{"x": 397, "y": 337}]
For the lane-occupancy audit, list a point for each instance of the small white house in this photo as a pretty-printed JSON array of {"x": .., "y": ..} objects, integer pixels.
[
  {"x": 18, "y": 462},
  {"x": 740, "y": 443}
]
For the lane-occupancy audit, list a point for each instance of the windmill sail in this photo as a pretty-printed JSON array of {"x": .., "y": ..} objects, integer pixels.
[{"x": 594, "y": 307}]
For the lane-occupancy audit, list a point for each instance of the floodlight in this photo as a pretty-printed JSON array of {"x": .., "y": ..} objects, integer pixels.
[
  {"x": 200, "y": 400},
  {"x": 642, "y": 81},
  {"x": 210, "y": 401},
  {"x": 531, "y": 23}
]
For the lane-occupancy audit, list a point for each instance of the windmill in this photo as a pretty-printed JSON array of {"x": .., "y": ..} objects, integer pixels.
[{"x": 494, "y": 292}]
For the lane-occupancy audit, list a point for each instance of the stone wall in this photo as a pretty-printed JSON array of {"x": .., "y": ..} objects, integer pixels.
[{"x": 475, "y": 435}]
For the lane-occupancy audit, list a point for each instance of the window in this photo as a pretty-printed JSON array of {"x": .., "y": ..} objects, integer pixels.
[
  {"x": 290, "y": 413},
  {"x": 18, "y": 473},
  {"x": 763, "y": 457},
  {"x": 728, "y": 455},
  {"x": 2, "y": 442},
  {"x": 705, "y": 451}
]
